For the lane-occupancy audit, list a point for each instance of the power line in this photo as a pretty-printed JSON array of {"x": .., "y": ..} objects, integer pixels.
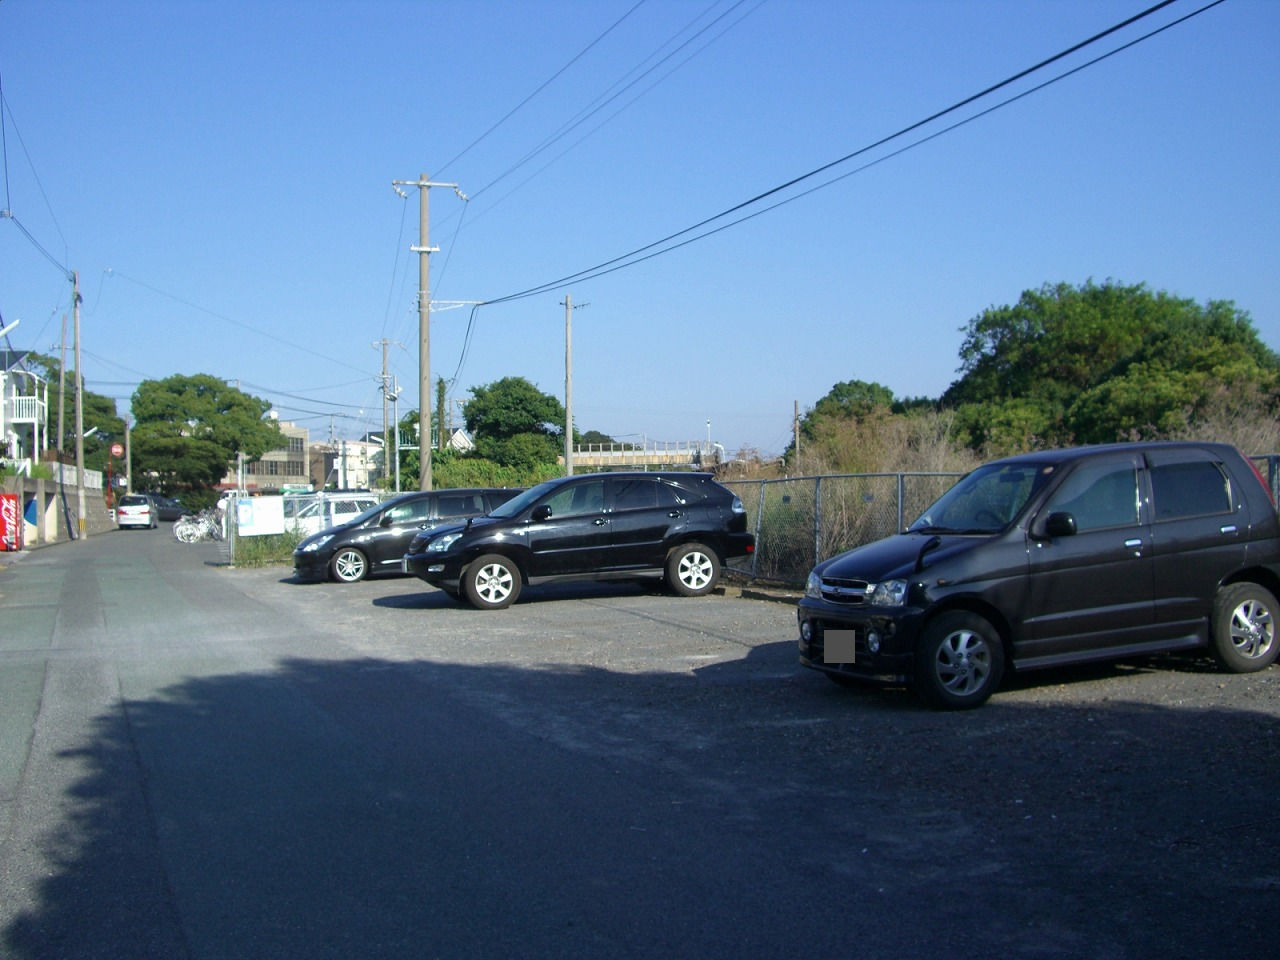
[
  {"x": 628, "y": 259},
  {"x": 546, "y": 83}
]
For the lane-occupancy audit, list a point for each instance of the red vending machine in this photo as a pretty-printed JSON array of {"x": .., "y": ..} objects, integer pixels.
[{"x": 10, "y": 522}]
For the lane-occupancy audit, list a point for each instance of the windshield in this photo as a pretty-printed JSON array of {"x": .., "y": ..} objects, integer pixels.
[
  {"x": 519, "y": 503},
  {"x": 985, "y": 501}
]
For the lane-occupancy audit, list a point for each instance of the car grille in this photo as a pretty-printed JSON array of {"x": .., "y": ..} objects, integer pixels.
[
  {"x": 816, "y": 650},
  {"x": 845, "y": 591}
]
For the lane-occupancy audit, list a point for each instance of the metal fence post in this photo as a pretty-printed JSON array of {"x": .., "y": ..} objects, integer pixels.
[
  {"x": 902, "y": 499},
  {"x": 817, "y": 519},
  {"x": 759, "y": 518}
]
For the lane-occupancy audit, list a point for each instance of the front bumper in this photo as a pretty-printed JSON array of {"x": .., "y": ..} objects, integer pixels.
[
  {"x": 883, "y": 640},
  {"x": 311, "y": 566},
  {"x": 439, "y": 570}
]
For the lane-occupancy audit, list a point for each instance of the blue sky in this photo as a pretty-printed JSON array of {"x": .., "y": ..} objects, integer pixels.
[{"x": 219, "y": 175}]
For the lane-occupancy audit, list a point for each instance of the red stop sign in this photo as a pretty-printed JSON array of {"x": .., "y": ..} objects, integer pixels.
[{"x": 117, "y": 450}]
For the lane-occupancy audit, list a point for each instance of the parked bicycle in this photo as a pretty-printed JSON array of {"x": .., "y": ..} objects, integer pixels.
[{"x": 206, "y": 525}]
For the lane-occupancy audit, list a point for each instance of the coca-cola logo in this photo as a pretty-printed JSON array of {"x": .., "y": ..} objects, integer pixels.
[{"x": 9, "y": 521}]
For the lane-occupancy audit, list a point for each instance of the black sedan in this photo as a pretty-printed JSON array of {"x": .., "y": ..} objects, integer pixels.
[{"x": 376, "y": 540}]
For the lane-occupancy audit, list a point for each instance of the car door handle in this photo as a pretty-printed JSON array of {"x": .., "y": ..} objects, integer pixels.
[
  {"x": 1229, "y": 528},
  {"x": 673, "y": 514},
  {"x": 1133, "y": 543},
  {"x": 599, "y": 521}
]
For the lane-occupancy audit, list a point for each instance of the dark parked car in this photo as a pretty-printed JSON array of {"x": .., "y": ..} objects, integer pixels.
[
  {"x": 375, "y": 541},
  {"x": 681, "y": 526},
  {"x": 169, "y": 508},
  {"x": 1052, "y": 558}
]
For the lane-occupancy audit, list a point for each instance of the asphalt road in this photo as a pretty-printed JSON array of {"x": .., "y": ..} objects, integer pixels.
[{"x": 200, "y": 762}]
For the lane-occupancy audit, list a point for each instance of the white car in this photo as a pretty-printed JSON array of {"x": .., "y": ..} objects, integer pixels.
[{"x": 137, "y": 510}]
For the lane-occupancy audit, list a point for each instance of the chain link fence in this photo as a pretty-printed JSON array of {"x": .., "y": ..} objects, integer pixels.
[{"x": 799, "y": 521}]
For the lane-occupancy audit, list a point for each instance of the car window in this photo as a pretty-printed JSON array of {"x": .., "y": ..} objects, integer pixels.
[
  {"x": 459, "y": 504},
  {"x": 1099, "y": 493},
  {"x": 1189, "y": 490},
  {"x": 984, "y": 501},
  {"x": 577, "y": 499},
  {"x": 409, "y": 511},
  {"x": 634, "y": 493}
]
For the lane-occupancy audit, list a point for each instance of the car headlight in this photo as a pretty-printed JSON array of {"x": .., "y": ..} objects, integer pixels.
[
  {"x": 813, "y": 586},
  {"x": 441, "y": 544},
  {"x": 316, "y": 544},
  {"x": 887, "y": 593}
]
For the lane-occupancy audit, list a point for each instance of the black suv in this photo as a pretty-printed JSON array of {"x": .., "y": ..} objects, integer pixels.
[
  {"x": 590, "y": 527},
  {"x": 1052, "y": 558},
  {"x": 375, "y": 541}
]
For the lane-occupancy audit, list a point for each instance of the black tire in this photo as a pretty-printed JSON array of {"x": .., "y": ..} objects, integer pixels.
[
  {"x": 692, "y": 570},
  {"x": 491, "y": 582},
  {"x": 349, "y": 565},
  {"x": 960, "y": 661},
  {"x": 1243, "y": 631}
]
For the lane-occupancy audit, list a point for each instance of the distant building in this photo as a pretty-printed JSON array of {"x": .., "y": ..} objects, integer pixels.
[
  {"x": 345, "y": 464},
  {"x": 24, "y": 411},
  {"x": 276, "y": 470}
]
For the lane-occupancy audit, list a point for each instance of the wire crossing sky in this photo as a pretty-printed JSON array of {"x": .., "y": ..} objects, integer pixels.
[{"x": 217, "y": 176}]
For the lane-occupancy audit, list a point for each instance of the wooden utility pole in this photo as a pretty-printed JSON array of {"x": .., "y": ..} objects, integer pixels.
[
  {"x": 568, "y": 384},
  {"x": 424, "y": 251},
  {"x": 80, "y": 501}
]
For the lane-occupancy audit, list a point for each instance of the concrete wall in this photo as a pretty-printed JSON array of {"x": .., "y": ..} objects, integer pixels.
[{"x": 51, "y": 510}]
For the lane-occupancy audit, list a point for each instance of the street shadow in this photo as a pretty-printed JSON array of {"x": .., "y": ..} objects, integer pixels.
[{"x": 380, "y": 808}]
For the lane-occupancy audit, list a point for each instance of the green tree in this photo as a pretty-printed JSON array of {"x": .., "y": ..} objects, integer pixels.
[
  {"x": 191, "y": 428},
  {"x": 511, "y": 406},
  {"x": 1094, "y": 363},
  {"x": 515, "y": 424}
]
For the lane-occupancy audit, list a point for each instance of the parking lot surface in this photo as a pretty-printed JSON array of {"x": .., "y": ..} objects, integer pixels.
[{"x": 198, "y": 761}]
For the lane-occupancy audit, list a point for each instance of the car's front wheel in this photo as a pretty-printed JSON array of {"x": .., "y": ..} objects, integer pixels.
[
  {"x": 1244, "y": 628},
  {"x": 491, "y": 582},
  {"x": 959, "y": 662},
  {"x": 349, "y": 565},
  {"x": 692, "y": 570}
]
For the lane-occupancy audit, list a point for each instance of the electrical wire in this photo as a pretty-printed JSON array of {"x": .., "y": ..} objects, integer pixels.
[
  {"x": 546, "y": 83},
  {"x": 633, "y": 256}
]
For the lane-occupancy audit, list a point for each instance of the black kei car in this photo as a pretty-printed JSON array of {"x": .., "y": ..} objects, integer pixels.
[
  {"x": 375, "y": 541},
  {"x": 1057, "y": 557},
  {"x": 602, "y": 526}
]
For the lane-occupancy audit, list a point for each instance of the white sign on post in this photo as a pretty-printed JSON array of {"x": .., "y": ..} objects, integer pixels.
[{"x": 259, "y": 516}]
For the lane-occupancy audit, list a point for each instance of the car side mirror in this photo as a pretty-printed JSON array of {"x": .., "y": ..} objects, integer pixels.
[
  {"x": 384, "y": 520},
  {"x": 1060, "y": 525},
  {"x": 541, "y": 513}
]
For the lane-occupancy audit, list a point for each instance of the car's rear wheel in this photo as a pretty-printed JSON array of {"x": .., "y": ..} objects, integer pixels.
[
  {"x": 692, "y": 570},
  {"x": 349, "y": 565},
  {"x": 959, "y": 662},
  {"x": 491, "y": 582},
  {"x": 1244, "y": 628}
]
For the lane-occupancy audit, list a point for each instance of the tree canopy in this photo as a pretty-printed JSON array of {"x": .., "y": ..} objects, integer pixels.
[
  {"x": 515, "y": 424},
  {"x": 1090, "y": 364},
  {"x": 1097, "y": 363},
  {"x": 190, "y": 430}
]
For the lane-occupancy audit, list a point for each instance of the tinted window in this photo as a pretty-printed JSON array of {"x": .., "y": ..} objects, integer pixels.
[
  {"x": 1101, "y": 493},
  {"x": 410, "y": 511},
  {"x": 634, "y": 493},
  {"x": 134, "y": 500},
  {"x": 1189, "y": 490},
  {"x": 575, "y": 499},
  {"x": 460, "y": 504}
]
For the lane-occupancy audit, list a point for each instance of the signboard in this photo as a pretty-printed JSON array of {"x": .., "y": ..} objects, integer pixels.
[
  {"x": 117, "y": 450},
  {"x": 259, "y": 516}
]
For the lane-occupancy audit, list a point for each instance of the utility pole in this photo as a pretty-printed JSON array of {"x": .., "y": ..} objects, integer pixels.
[
  {"x": 424, "y": 251},
  {"x": 80, "y": 501},
  {"x": 384, "y": 380},
  {"x": 568, "y": 383}
]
